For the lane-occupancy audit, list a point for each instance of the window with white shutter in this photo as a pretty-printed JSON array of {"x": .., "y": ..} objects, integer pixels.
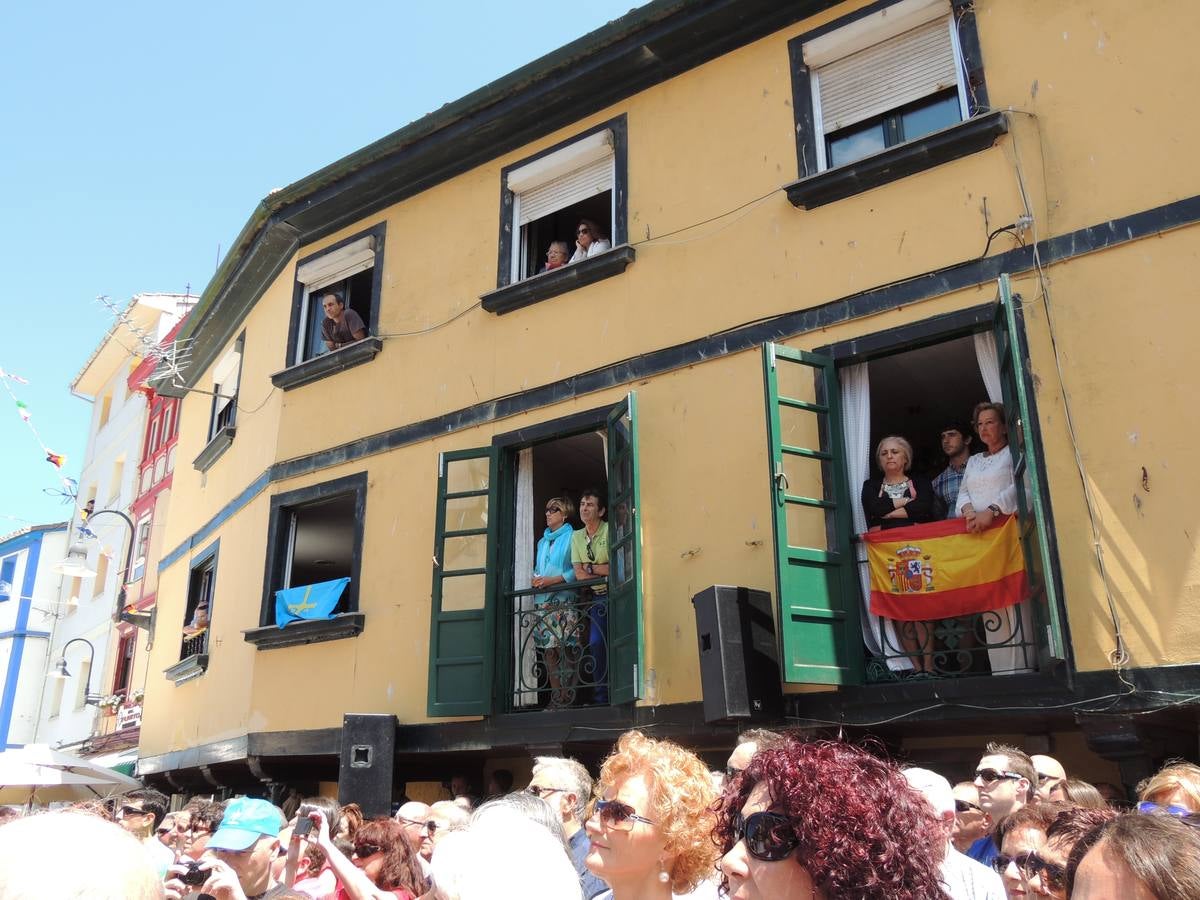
[
  {"x": 884, "y": 79},
  {"x": 549, "y": 197}
]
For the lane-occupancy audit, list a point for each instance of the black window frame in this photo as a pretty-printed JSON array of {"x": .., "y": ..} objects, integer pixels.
[
  {"x": 978, "y": 130},
  {"x": 346, "y": 623},
  {"x": 195, "y": 664},
  {"x": 222, "y": 424},
  {"x": 509, "y": 294},
  {"x": 297, "y": 373}
]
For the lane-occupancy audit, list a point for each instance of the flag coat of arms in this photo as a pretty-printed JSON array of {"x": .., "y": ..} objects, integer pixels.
[
  {"x": 939, "y": 570},
  {"x": 309, "y": 601}
]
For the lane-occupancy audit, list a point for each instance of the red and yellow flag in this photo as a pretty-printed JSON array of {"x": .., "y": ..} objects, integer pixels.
[{"x": 939, "y": 570}]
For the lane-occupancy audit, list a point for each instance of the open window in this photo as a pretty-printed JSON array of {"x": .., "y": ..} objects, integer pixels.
[
  {"x": 141, "y": 547},
  {"x": 8, "y": 574},
  {"x": 314, "y": 557},
  {"x": 197, "y": 616},
  {"x": 546, "y": 197},
  {"x": 571, "y": 643},
  {"x": 826, "y": 418},
  {"x": 123, "y": 666},
  {"x": 350, "y": 270}
]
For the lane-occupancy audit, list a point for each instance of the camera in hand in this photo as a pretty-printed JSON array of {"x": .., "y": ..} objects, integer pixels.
[
  {"x": 304, "y": 825},
  {"x": 195, "y": 875}
]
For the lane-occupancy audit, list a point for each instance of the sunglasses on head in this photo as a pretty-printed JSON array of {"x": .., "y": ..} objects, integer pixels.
[
  {"x": 618, "y": 816},
  {"x": 964, "y": 805},
  {"x": 362, "y": 851},
  {"x": 768, "y": 835},
  {"x": 1053, "y": 875},
  {"x": 1179, "y": 812},
  {"x": 987, "y": 776}
]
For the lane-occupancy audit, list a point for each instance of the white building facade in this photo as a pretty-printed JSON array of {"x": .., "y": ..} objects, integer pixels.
[{"x": 107, "y": 481}]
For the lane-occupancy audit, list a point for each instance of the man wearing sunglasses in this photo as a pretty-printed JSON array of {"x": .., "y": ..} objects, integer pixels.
[
  {"x": 239, "y": 854},
  {"x": 1052, "y": 778},
  {"x": 1006, "y": 779},
  {"x": 140, "y": 813},
  {"x": 963, "y": 878},
  {"x": 566, "y": 786},
  {"x": 970, "y": 821}
]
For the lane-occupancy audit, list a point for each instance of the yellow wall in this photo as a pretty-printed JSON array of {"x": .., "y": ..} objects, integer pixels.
[{"x": 1109, "y": 81}]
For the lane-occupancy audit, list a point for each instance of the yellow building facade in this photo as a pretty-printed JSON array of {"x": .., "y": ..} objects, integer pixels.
[{"x": 923, "y": 196}]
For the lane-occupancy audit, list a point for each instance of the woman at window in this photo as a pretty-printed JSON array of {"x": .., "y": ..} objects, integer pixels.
[
  {"x": 383, "y": 865},
  {"x": 557, "y": 628},
  {"x": 341, "y": 325},
  {"x": 827, "y": 820},
  {"x": 651, "y": 829},
  {"x": 893, "y": 499},
  {"x": 589, "y": 240},
  {"x": 557, "y": 256}
]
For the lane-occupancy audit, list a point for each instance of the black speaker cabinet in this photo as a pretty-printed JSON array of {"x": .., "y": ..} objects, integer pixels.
[
  {"x": 365, "y": 770},
  {"x": 739, "y": 660}
]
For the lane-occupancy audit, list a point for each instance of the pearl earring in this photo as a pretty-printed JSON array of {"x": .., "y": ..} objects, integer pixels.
[{"x": 662, "y": 875}]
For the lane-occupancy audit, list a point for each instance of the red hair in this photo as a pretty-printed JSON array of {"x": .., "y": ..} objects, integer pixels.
[
  {"x": 863, "y": 833},
  {"x": 400, "y": 867}
]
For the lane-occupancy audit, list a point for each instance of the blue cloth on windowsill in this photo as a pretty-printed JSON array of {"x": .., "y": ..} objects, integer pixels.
[{"x": 309, "y": 601}]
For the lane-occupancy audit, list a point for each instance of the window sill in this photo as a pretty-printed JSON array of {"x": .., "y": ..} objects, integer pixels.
[
  {"x": 217, "y": 446},
  {"x": 550, "y": 284},
  {"x": 328, "y": 364},
  {"x": 295, "y": 634},
  {"x": 898, "y": 162},
  {"x": 187, "y": 668}
]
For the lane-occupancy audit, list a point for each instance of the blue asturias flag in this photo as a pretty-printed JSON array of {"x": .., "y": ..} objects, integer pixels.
[{"x": 309, "y": 601}]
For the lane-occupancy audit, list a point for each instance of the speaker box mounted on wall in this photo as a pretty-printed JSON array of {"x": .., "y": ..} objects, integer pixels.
[
  {"x": 365, "y": 768},
  {"x": 739, "y": 659}
]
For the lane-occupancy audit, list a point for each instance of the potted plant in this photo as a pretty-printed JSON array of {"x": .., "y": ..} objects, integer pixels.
[{"x": 108, "y": 705}]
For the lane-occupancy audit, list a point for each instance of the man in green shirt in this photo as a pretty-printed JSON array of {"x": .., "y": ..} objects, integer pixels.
[{"x": 589, "y": 556}]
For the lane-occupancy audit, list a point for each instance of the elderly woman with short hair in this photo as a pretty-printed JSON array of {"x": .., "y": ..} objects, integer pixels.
[
  {"x": 893, "y": 499},
  {"x": 651, "y": 828}
]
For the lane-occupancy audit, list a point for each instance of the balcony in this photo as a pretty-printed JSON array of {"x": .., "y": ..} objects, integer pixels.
[{"x": 983, "y": 643}]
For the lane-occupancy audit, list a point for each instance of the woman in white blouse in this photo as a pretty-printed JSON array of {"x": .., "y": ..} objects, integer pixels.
[
  {"x": 988, "y": 490},
  {"x": 589, "y": 241}
]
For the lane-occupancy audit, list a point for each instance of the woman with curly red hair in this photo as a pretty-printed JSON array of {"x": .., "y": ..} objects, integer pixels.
[
  {"x": 823, "y": 820},
  {"x": 383, "y": 863}
]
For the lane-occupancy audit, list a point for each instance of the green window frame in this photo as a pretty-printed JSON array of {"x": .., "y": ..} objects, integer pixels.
[{"x": 625, "y": 626}]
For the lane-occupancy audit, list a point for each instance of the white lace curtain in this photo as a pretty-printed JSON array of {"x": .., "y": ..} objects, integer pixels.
[
  {"x": 989, "y": 365},
  {"x": 524, "y": 549}
]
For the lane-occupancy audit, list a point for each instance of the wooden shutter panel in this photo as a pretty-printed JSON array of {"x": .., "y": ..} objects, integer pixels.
[
  {"x": 886, "y": 76},
  {"x": 625, "y": 632},
  {"x": 588, "y": 180}
]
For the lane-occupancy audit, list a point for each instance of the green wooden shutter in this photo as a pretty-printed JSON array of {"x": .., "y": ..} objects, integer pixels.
[
  {"x": 815, "y": 581},
  {"x": 625, "y": 644},
  {"x": 461, "y": 638},
  {"x": 1024, "y": 443}
]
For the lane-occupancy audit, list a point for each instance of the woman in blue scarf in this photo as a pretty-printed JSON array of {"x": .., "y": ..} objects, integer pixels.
[{"x": 557, "y": 631}]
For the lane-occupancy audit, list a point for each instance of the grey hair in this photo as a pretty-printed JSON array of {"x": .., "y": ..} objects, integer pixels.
[
  {"x": 904, "y": 445},
  {"x": 573, "y": 777},
  {"x": 456, "y": 817},
  {"x": 526, "y": 806}
]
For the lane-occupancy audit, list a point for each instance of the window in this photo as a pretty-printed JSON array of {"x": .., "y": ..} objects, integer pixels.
[
  {"x": 227, "y": 378},
  {"x": 141, "y": 548},
  {"x": 352, "y": 270},
  {"x": 545, "y": 197},
  {"x": 105, "y": 409},
  {"x": 487, "y": 621},
  {"x": 82, "y": 679},
  {"x": 899, "y": 384},
  {"x": 198, "y": 613},
  {"x": 100, "y": 582},
  {"x": 8, "y": 574},
  {"x": 115, "y": 483},
  {"x": 123, "y": 669},
  {"x": 314, "y": 537},
  {"x": 882, "y": 79}
]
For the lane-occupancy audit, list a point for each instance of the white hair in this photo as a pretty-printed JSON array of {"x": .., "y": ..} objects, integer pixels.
[
  {"x": 456, "y": 817},
  {"x": 504, "y": 857},
  {"x": 934, "y": 788},
  {"x": 571, "y": 775},
  {"x": 103, "y": 861},
  {"x": 520, "y": 805}
]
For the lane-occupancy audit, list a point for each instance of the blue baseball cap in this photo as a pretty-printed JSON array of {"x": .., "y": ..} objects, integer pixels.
[{"x": 245, "y": 821}]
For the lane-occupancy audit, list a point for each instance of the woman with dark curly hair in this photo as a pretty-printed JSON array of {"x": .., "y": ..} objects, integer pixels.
[
  {"x": 382, "y": 865},
  {"x": 652, "y": 825},
  {"x": 823, "y": 820}
]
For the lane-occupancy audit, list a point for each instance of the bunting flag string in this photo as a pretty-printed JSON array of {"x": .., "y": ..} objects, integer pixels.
[{"x": 58, "y": 460}]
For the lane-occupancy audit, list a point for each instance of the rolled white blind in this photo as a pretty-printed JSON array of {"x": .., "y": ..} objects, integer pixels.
[
  {"x": 339, "y": 264},
  {"x": 590, "y": 179},
  {"x": 888, "y": 75}
]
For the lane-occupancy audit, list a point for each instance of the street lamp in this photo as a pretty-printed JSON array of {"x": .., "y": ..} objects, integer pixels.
[
  {"x": 75, "y": 566},
  {"x": 61, "y": 673}
]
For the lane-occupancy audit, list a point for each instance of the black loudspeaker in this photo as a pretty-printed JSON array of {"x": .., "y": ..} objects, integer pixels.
[
  {"x": 365, "y": 770},
  {"x": 739, "y": 661}
]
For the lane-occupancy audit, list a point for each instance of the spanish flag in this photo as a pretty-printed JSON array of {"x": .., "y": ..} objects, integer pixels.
[{"x": 939, "y": 570}]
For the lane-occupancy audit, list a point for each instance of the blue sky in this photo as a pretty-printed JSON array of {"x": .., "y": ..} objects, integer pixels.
[{"x": 138, "y": 138}]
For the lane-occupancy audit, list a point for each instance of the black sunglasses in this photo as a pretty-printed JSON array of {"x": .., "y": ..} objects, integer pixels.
[
  {"x": 362, "y": 851},
  {"x": 731, "y": 773},
  {"x": 584, "y": 231},
  {"x": 132, "y": 811},
  {"x": 987, "y": 776},
  {"x": 591, "y": 555},
  {"x": 963, "y": 806},
  {"x": 1053, "y": 875},
  {"x": 768, "y": 835},
  {"x": 551, "y": 509},
  {"x": 539, "y": 791}
]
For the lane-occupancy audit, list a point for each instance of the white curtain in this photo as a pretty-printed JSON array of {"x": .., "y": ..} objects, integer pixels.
[
  {"x": 989, "y": 365},
  {"x": 523, "y": 561},
  {"x": 856, "y": 427}
]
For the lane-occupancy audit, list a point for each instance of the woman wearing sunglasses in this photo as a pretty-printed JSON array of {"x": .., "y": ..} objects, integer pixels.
[
  {"x": 652, "y": 824},
  {"x": 1177, "y": 785},
  {"x": 383, "y": 865},
  {"x": 823, "y": 820},
  {"x": 557, "y": 626},
  {"x": 589, "y": 240},
  {"x": 1024, "y": 862}
]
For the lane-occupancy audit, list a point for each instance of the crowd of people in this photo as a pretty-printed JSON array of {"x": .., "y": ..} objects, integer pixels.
[{"x": 789, "y": 818}]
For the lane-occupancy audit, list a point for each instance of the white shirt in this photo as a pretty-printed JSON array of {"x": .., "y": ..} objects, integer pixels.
[
  {"x": 595, "y": 247},
  {"x": 988, "y": 479},
  {"x": 965, "y": 879}
]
